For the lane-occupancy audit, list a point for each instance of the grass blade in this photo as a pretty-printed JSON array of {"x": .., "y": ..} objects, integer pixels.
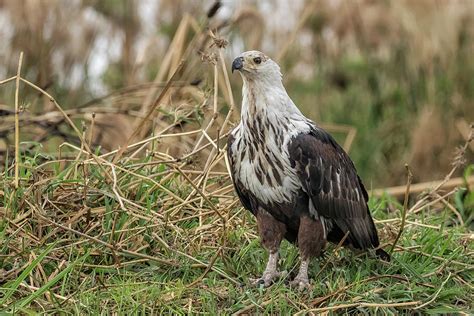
[
  {"x": 51, "y": 283},
  {"x": 14, "y": 286}
]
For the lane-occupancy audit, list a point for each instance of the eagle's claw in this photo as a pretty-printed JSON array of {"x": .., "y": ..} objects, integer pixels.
[
  {"x": 301, "y": 283},
  {"x": 267, "y": 278}
]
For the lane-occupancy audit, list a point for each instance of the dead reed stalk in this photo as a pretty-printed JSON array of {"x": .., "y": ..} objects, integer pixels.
[
  {"x": 403, "y": 214},
  {"x": 17, "y": 121}
]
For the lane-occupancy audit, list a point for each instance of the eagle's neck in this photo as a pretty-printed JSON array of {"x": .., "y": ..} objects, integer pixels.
[{"x": 267, "y": 98}]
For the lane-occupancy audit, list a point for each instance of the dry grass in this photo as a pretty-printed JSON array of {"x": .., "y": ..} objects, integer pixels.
[
  {"x": 414, "y": 57},
  {"x": 76, "y": 226},
  {"x": 154, "y": 227}
]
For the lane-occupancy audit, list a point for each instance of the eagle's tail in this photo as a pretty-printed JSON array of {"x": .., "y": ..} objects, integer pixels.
[
  {"x": 379, "y": 252},
  {"x": 382, "y": 254},
  {"x": 364, "y": 235}
]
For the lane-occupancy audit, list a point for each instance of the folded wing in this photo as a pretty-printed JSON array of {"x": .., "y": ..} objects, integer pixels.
[{"x": 329, "y": 177}]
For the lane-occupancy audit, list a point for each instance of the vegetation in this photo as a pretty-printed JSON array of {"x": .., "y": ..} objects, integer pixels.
[
  {"x": 400, "y": 71},
  {"x": 120, "y": 200},
  {"x": 94, "y": 237}
]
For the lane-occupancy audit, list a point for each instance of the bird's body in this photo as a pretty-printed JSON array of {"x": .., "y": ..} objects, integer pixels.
[{"x": 291, "y": 174}]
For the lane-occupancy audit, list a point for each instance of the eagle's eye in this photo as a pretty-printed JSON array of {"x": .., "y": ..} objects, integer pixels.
[{"x": 257, "y": 60}]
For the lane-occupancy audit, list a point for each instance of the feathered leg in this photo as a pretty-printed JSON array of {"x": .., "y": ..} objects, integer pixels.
[
  {"x": 311, "y": 242},
  {"x": 271, "y": 233}
]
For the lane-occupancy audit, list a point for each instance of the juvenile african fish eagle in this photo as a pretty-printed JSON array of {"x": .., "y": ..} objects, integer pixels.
[{"x": 292, "y": 175}]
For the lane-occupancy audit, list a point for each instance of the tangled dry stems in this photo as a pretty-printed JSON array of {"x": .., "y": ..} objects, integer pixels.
[
  {"x": 143, "y": 203},
  {"x": 138, "y": 205}
]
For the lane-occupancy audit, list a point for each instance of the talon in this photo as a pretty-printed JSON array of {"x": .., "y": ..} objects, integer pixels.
[
  {"x": 302, "y": 284},
  {"x": 267, "y": 278}
]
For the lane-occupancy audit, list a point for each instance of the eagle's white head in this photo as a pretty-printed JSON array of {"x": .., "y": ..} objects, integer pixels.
[
  {"x": 254, "y": 65},
  {"x": 263, "y": 88}
]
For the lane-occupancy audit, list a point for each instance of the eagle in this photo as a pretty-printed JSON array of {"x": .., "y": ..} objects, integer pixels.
[{"x": 292, "y": 175}]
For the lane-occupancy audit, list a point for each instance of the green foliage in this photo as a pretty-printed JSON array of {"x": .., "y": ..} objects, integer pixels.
[
  {"x": 431, "y": 268},
  {"x": 88, "y": 236}
]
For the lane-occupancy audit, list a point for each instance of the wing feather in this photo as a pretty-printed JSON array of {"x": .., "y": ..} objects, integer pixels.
[{"x": 329, "y": 177}]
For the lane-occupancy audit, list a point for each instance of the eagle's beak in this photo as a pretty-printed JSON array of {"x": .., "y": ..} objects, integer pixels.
[{"x": 238, "y": 63}]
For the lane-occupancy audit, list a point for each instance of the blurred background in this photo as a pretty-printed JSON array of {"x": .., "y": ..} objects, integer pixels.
[{"x": 393, "y": 80}]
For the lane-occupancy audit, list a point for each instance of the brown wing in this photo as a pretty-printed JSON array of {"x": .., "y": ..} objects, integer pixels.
[{"x": 330, "y": 179}]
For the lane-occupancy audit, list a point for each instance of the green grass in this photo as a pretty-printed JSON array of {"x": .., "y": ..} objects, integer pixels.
[
  {"x": 68, "y": 246},
  {"x": 154, "y": 257}
]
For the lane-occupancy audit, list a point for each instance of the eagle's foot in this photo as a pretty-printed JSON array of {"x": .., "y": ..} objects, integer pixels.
[
  {"x": 302, "y": 283},
  {"x": 267, "y": 278},
  {"x": 301, "y": 280}
]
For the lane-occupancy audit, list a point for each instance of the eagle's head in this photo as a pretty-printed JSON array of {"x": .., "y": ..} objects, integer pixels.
[{"x": 256, "y": 65}]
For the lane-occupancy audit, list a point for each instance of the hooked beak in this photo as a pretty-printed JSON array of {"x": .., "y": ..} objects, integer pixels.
[{"x": 238, "y": 63}]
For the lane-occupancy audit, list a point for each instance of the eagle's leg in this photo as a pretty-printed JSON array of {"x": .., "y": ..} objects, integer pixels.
[
  {"x": 271, "y": 233},
  {"x": 271, "y": 272},
  {"x": 311, "y": 242}
]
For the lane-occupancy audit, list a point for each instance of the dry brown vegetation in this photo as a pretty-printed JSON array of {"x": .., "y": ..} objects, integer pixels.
[
  {"x": 89, "y": 218},
  {"x": 124, "y": 202},
  {"x": 423, "y": 38}
]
